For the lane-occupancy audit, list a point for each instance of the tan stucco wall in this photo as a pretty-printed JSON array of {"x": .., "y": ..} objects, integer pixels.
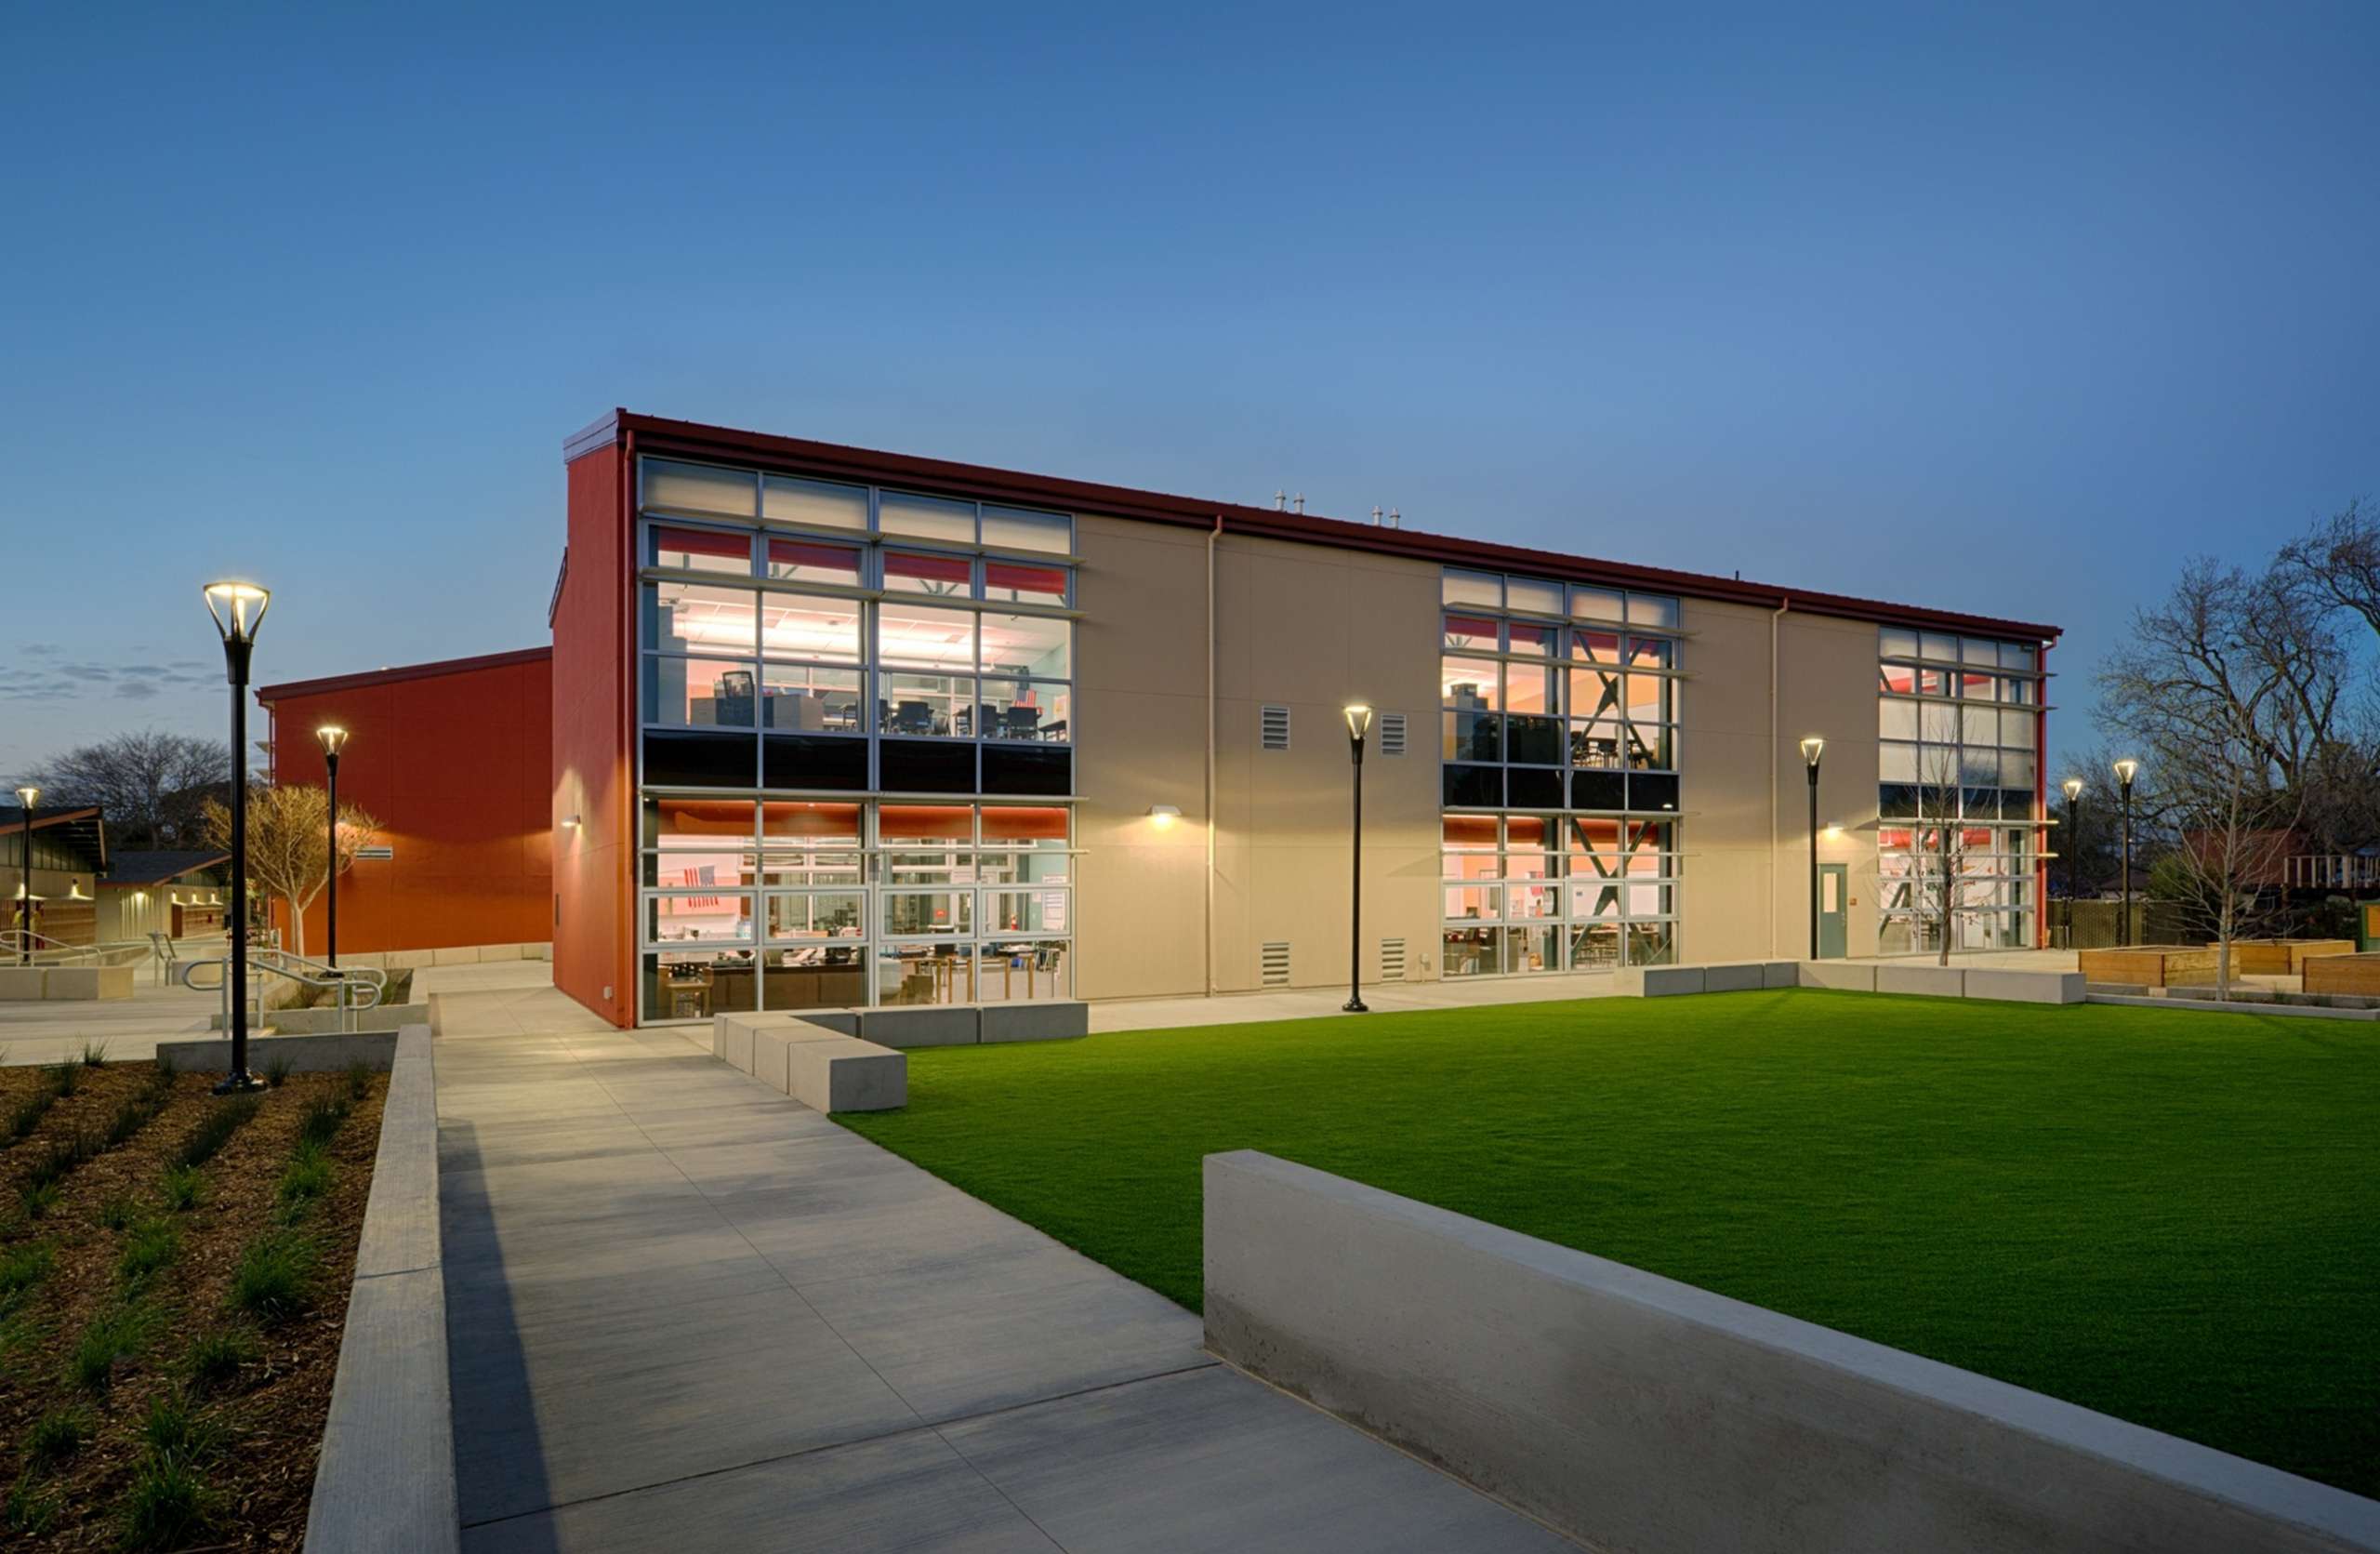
[
  {"x": 1298, "y": 626},
  {"x": 1311, "y": 629},
  {"x": 1746, "y": 795}
]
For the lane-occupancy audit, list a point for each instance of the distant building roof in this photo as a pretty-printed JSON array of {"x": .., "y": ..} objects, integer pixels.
[
  {"x": 150, "y": 869},
  {"x": 81, "y": 830}
]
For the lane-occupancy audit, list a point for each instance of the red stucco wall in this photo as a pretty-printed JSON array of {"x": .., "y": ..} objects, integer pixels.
[
  {"x": 590, "y": 774},
  {"x": 453, "y": 761}
]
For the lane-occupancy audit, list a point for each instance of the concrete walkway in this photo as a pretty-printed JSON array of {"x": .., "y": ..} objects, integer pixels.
[{"x": 685, "y": 1312}]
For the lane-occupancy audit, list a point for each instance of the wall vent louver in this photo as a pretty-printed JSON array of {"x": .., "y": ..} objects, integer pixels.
[
  {"x": 1392, "y": 960},
  {"x": 1392, "y": 734},
  {"x": 1273, "y": 964},
  {"x": 1273, "y": 727}
]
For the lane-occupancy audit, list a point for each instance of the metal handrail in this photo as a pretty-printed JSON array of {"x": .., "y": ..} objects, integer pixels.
[
  {"x": 346, "y": 980},
  {"x": 47, "y": 951}
]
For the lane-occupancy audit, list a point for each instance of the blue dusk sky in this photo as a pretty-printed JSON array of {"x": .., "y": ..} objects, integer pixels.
[{"x": 1999, "y": 309}]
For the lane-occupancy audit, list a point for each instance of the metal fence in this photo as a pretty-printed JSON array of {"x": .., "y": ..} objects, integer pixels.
[{"x": 2092, "y": 925}]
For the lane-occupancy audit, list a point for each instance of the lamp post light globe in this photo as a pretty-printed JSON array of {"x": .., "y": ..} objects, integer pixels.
[
  {"x": 2073, "y": 787},
  {"x": 1360, "y": 724},
  {"x": 1814, "y": 753},
  {"x": 2126, "y": 770},
  {"x": 26, "y": 796},
  {"x": 238, "y": 609},
  {"x": 334, "y": 740}
]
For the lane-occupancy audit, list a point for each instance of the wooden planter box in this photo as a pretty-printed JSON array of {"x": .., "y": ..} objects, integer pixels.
[
  {"x": 2358, "y": 975},
  {"x": 2281, "y": 957},
  {"x": 2150, "y": 965}
]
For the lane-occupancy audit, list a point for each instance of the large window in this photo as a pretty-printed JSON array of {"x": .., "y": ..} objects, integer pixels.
[
  {"x": 801, "y": 639},
  {"x": 819, "y": 905},
  {"x": 1959, "y": 724},
  {"x": 1559, "y": 746},
  {"x": 805, "y": 636},
  {"x": 1539, "y": 892},
  {"x": 1558, "y": 698}
]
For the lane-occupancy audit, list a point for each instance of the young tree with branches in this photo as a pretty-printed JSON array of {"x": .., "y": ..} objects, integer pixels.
[
  {"x": 1941, "y": 863},
  {"x": 289, "y": 850}
]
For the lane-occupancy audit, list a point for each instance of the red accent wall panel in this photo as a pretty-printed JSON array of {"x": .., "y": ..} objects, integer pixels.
[
  {"x": 452, "y": 761},
  {"x": 591, "y": 777}
]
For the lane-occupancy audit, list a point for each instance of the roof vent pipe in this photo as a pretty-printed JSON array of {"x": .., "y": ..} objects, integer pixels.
[
  {"x": 1297, "y": 504},
  {"x": 1375, "y": 515},
  {"x": 1280, "y": 502},
  {"x": 1396, "y": 519}
]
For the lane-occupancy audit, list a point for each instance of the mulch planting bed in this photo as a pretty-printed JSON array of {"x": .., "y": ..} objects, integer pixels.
[{"x": 170, "y": 1331}]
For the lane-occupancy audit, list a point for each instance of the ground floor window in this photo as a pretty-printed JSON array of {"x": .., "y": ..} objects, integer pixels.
[
  {"x": 763, "y": 904},
  {"x": 1545, "y": 893},
  {"x": 1990, "y": 902}
]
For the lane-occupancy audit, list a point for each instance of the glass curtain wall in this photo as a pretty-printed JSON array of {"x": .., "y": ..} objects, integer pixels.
[
  {"x": 1959, "y": 721},
  {"x": 808, "y": 656},
  {"x": 1558, "y": 747}
]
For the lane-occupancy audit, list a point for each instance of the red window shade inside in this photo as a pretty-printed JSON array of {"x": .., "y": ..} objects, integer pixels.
[
  {"x": 926, "y": 823},
  {"x": 839, "y": 822},
  {"x": 704, "y": 543},
  {"x": 1470, "y": 831},
  {"x": 1014, "y": 577},
  {"x": 825, "y": 558},
  {"x": 1025, "y": 824},
  {"x": 931, "y": 569}
]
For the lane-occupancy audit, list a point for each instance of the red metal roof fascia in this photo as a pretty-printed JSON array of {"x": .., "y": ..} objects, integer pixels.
[
  {"x": 270, "y": 693},
  {"x": 798, "y": 455}
]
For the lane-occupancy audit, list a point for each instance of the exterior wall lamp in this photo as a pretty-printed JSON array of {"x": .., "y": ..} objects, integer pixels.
[{"x": 1163, "y": 815}]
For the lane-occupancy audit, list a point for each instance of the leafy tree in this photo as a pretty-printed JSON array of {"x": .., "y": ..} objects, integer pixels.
[{"x": 289, "y": 853}]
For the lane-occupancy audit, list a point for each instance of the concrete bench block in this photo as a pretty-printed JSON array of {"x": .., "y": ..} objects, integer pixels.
[
  {"x": 408, "y": 960},
  {"x": 731, "y": 1041},
  {"x": 924, "y": 1026},
  {"x": 537, "y": 952},
  {"x": 1733, "y": 978},
  {"x": 2024, "y": 987},
  {"x": 1839, "y": 976},
  {"x": 1672, "y": 981},
  {"x": 1780, "y": 974},
  {"x": 456, "y": 955},
  {"x": 838, "y": 1022},
  {"x": 21, "y": 984},
  {"x": 1035, "y": 1022},
  {"x": 1932, "y": 981},
  {"x": 83, "y": 983},
  {"x": 769, "y": 1048},
  {"x": 843, "y": 1073}
]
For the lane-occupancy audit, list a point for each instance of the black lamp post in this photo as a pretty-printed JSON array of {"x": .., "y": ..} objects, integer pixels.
[
  {"x": 238, "y": 609},
  {"x": 2073, "y": 787},
  {"x": 334, "y": 740},
  {"x": 28, "y": 796},
  {"x": 1814, "y": 751},
  {"x": 1359, "y": 723},
  {"x": 2125, "y": 771}
]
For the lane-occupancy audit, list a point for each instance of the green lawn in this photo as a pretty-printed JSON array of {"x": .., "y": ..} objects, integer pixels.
[{"x": 2173, "y": 1217}]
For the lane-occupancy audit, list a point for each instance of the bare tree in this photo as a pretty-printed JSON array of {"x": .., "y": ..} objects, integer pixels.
[
  {"x": 289, "y": 850},
  {"x": 2338, "y": 560},
  {"x": 2234, "y": 833},
  {"x": 2230, "y": 655},
  {"x": 153, "y": 785},
  {"x": 1940, "y": 862}
]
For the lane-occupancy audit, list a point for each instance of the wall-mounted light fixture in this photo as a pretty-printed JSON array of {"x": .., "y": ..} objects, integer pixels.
[{"x": 1163, "y": 815}]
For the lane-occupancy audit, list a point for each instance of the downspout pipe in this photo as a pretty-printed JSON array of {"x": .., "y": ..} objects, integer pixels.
[
  {"x": 1776, "y": 748},
  {"x": 1209, "y": 908}
]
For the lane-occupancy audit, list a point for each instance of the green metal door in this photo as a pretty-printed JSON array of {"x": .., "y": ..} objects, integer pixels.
[{"x": 1834, "y": 924}]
